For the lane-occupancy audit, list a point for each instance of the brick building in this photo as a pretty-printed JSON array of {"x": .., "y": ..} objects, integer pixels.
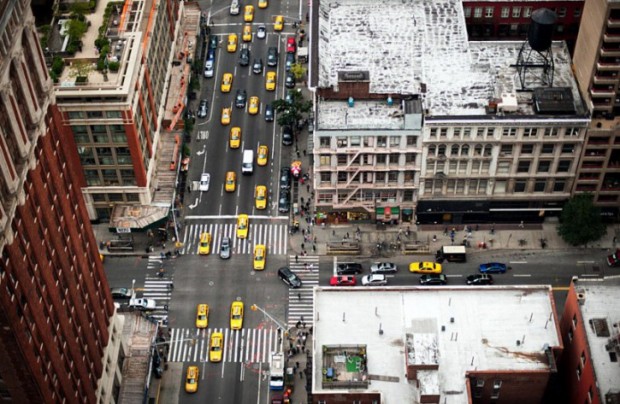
[{"x": 56, "y": 312}]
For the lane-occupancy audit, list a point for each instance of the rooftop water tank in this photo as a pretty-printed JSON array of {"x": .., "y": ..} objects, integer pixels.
[{"x": 541, "y": 29}]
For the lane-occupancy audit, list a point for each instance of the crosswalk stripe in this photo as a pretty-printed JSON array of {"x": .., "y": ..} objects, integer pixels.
[{"x": 301, "y": 301}]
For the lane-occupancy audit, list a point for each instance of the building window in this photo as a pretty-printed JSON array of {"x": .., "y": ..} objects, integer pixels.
[
  {"x": 505, "y": 12},
  {"x": 577, "y": 13},
  {"x": 524, "y": 166},
  {"x": 443, "y": 133},
  {"x": 568, "y": 148},
  {"x": 408, "y": 195},
  {"x": 488, "y": 12},
  {"x": 527, "y": 12},
  {"x": 477, "y": 12},
  {"x": 547, "y": 148},
  {"x": 132, "y": 197},
  {"x": 355, "y": 140},
  {"x": 559, "y": 186},
  {"x": 433, "y": 132},
  {"x": 75, "y": 114},
  {"x": 478, "y": 150},
  {"x": 503, "y": 167},
  {"x": 551, "y": 132},
  {"x": 368, "y": 141},
  {"x": 326, "y": 177},
  {"x": 563, "y": 166},
  {"x": 113, "y": 114},
  {"x": 382, "y": 141},
  {"x": 465, "y": 150},
  {"x": 324, "y": 141},
  {"x": 454, "y": 150},
  {"x": 379, "y": 177},
  {"x": 393, "y": 176},
  {"x": 527, "y": 148},
  {"x": 561, "y": 12},
  {"x": 509, "y": 132},
  {"x": 79, "y": 128},
  {"x": 571, "y": 132},
  {"x": 467, "y": 133},
  {"x": 94, "y": 114},
  {"x": 394, "y": 141},
  {"x": 539, "y": 186},
  {"x": 480, "y": 132},
  {"x": 506, "y": 150},
  {"x": 342, "y": 141},
  {"x": 467, "y": 11},
  {"x": 324, "y": 160},
  {"x": 456, "y": 133},
  {"x": 543, "y": 166},
  {"x": 516, "y": 12},
  {"x": 341, "y": 159},
  {"x": 381, "y": 159},
  {"x": 520, "y": 186},
  {"x": 529, "y": 132},
  {"x": 410, "y": 140},
  {"x": 325, "y": 197}
]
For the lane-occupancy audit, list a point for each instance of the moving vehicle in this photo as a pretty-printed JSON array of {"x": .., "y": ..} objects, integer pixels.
[
  {"x": 248, "y": 13},
  {"x": 142, "y": 304},
  {"x": 492, "y": 268},
  {"x": 613, "y": 260},
  {"x": 278, "y": 23},
  {"x": 268, "y": 113},
  {"x": 276, "y": 372},
  {"x": 204, "y": 247},
  {"x": 383, "y": 268},
  {"x": 343, "y": 280},
  {"x": 289, "y": 277},
  {"x": 262, "y": 155},
  {"x": 261, "y": 32},
  {"x": 285, "y": 178},
  {"x": 247, "y": 165},
  {"x": 349, "y": 268},
  {"x": 257, "y": 66},
  {"x": 425, "y": 268},
  {"x": 247, "y": 33},
  {"x": 235, "y": 137},
  {"x": 270, "y": 81},
  {"x": 244, "y": 56},
  {"x": 260, "y": 197},
  {"x": 202, "y": 315},
  {"x": 225, "y": 120},
  {"x": 203, "y": 108},
  {"x": 225, "y": 248},
  {"x": 451, "y": 253},
  {"x": 227, "y": 80},
  {"x": 254, "y": 105},
  {"x": 230, "y": 182},
  {"x": 236, "y": 315},
  {"x": 235, "y": 7},
  {"x": 241, "y": 98},
  {"x": 433, "y": 279},
  {"x": 205, "y": 180},
  {"x": 374, "y": 280},
  {"x": 216, "y": 345},
  {"x": 272, "y": 56},
  {"x": 121, "y": 293},
  {"x": 480, "y": 279},
  {"x": 232, "y": 43},
  {"x": 243, "y": 223},
  {"x": 191, "y": 379},
  {"x": 263, "y": 3},
  {"x": 260, "y": 256}
]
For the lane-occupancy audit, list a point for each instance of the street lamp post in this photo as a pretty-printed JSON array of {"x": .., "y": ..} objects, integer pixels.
[{"x": 277, "y": 322}]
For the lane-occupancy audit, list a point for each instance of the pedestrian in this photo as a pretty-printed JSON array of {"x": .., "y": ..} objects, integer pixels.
[
  {"x": 347, "y": 235},
  {"x": 307, "y": 187},
  {"x": 521, "y": 225},
  {"x": 298, "y": 296},
  {"x": 303, "y": 324},
  {"x": 297, "y": 365},
  {"x": 334, "y": 233},
  {"x": 189, "y": 189},
  {"x": 297, "y": 151},
  {"x": 302, "y": 199},
  {"x": 310, "y": 330},
  {"x": 445, "y": 231},
  {"x": 493, "y": 229},
  {"x": 296, "y": 258},
  {"x": 477, "y": 227},
  {"x": 314, "y": 247},
  {"x": 298, "y": 324},
  {"x": 301, "y": 374},
  {"x": 302, "y": 246},
  {"x": 306, "y": 266},
  {"x": 305, "y": 253},
  {"x": 304, "y": 152}
]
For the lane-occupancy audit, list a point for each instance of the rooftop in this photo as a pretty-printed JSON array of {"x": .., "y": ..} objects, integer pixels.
[
  {"x": 363, "y": 115},
  {"x": 412, "y": 321},
  {"x": 426, "y": 52},
  {"x": 601, "y": 315}
]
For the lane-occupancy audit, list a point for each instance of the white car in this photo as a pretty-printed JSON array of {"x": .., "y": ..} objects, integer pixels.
[
  {"x": 235, "y": 7},
  {"x": 205, "y": 179},
  {"x": 209, "y": 66},
  {"x": 374, "y": 280},
  {"x": 383, "y": 268},
  {"x": 142, "y": 304},
  {"x": 261, "y": 32}
]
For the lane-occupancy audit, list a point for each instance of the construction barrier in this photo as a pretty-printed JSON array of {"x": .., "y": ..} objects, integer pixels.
[
  {"x": 416, "y": 248},
  {"x": 343, "y": 248}
]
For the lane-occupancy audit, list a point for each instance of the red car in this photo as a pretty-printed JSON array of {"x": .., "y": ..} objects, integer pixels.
[
  {"x": 342, "y": 280},
  {"x": 291, "y": 46}
]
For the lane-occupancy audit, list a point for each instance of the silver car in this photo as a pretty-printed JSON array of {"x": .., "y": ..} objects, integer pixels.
[
  {"x": 383, "y": 268},
  {"x": 225, "y": 248},
  {"x": 205, "y": 179},
  {"x": 374, "y": 280}
]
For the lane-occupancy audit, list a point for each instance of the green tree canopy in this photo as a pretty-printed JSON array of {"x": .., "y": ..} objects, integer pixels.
[
  {"x": 580, "y": 222},
  {"x": 289, "y": 113}
]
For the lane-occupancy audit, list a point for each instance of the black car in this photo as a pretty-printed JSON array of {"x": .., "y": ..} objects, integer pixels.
[
  {"x": 211, "y": 54},
  {"x": 272, "y": 56},
  {"x": 257, "y": 66},
  {"x": 289, "y": 97},
  {"x": 433, "y": 279},
  {"x": 244, "y": 56},
  {"x": 241, "y": 98},
  {"x": 121, "y": 293},
  {"x": 349, "y": 268},
  {"x": 287, "y": 136},
  {"x": 213, "y": 42},
  {"x": 480, "y": 279},
  {"x": 290, "y": 60},
  {"x": 289, "y": 277},
  {"x": 268, "y": 113},
  {"x": 285, "y": 178},
  {"x": 203, "y": 108},
  {"x": 289, "y": 82},
  {"x": 284, "y": 204}
]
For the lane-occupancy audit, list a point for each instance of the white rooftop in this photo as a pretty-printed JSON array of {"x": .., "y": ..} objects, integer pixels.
[
  {"x": 602, "y": 301},
  {"x": 363, "y": 115},
  {"x": 487, "y": 322},
  {"x": 406, "y": 45}
]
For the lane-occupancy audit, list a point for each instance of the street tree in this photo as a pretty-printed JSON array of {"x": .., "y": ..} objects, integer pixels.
[
  {"x": 291, "y": 112},
  {"x": 580, "y": 221},
  {"x": 298, "y": 71}
]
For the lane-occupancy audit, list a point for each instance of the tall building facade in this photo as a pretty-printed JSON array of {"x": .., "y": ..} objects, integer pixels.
[
  {"x": 55, "y": 306},
  {"x": 597, "y": 66}
]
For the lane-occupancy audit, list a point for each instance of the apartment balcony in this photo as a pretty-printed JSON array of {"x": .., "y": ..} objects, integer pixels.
[
  {"x": 610, "y": 51},
  {"x": 613, "y": 22},
  {"x": 591, "y": 165},
  {"x": 608, "y": 66},
  {"x": 610, "y": 79},
  {"x": 611, "y": 37},
  {"x": 597, "y": 92}
]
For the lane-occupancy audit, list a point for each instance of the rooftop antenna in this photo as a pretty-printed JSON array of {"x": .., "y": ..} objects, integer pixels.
[{"x": 536, "y": 56}]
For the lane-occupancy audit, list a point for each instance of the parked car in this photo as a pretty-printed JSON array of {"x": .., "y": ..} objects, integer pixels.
[
  {"x": 284, "y": 204},
  {"x": 289, "y": 82},
  {"x": 205, "y": 180},
  {"x": 343, "y": 280},
  {"x": 121, "y": 293},
  {"x": 225, "y": 248},
  {"x": 383, "y": 268},
  {"x": 287, "y": 136},
  {"x": 285, "y": 178},
  {"x": 374, "y": 280},
  {"x": 289, "y": 277},
  {"x": 349, "y": 268},
  {"x": 209, "y": 68},
  {"x": 203, "y": 109},
  {"x": 480, "y": 279},
  {"x": 268, "y": 113},
  {"x": 142, "y": 304},
  {"x": 493, "y": 268},
  {"x": 291, "y": 45},
  {"x": 272, "y": 56},
  {"x": 213, "y": 42},
  {"x": 433, "y": 279},
  {"x": 613, "y": 260},
  {"x": 290, "y": 60},
  {"x": 241, "y": 98}
]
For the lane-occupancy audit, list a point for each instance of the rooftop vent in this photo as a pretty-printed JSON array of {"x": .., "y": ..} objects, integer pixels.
[
  {"x": 553, "y": 101},
  {"x": 508, "y": 103}
]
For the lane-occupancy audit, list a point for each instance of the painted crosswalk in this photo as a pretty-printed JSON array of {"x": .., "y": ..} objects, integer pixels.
[
  {"x": 248, "y": 345},
  {"x": 273, "y": 235},
  {"x": 301, "y": 301},
  {"x": 159, "y": 289}
]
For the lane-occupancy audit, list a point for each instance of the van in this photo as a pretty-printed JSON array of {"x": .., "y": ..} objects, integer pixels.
[
  {"x": 452, "y": 253},
  {"x": 247, "y": 165}
]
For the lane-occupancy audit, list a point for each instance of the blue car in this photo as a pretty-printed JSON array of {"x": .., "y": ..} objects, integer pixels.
[{"x": 493, "y": 268}]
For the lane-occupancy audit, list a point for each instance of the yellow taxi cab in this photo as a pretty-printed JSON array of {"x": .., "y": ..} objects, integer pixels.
[
  {"x": 235, "y": 137},
  {"x": 216, "y": 345},
  {"x": 204, "y": 248},
  {"x": 231, "y": 181},
  {"x": 254, "y": 105},
  {"x": 260, "y": 256},
  {"x": 270, "y": 81},
  {"x": 191, "y": 380},
  {"x": 243, "y": 223},
  {"x": 263, "y": 3},
  {"x": 236, "y": 315},
  {"x": 226, "y": 116},
  {"x": 262, "y": 155},
  {"x": 202, "y": 315},
  {"x": 227, "y": 80},
  {"x": 278, "y": 25},
  {"x": 260, "y": 194},
  {"x": 247, "y": 33},
  {"x": 248, "y": 13},
  {"x": 425, "y": 268},
  {"x": 232, "y": 43}
]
